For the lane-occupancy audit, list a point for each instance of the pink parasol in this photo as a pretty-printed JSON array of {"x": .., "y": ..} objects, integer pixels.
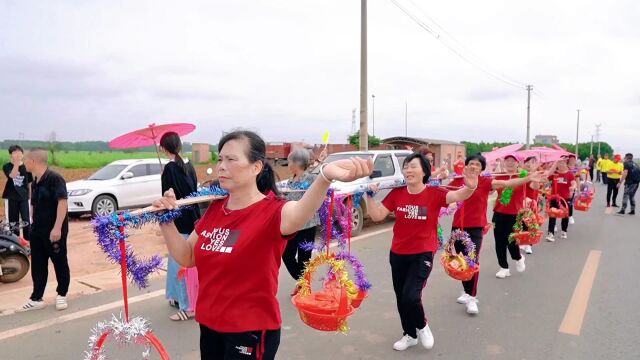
[
  {"x": 496, "y": 154},
  {"x": 544, "y": 154},
  {"x": 149, "y": 136}
]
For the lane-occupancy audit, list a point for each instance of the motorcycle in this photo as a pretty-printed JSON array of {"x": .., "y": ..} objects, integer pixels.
[{"x": 14, "y": 253}]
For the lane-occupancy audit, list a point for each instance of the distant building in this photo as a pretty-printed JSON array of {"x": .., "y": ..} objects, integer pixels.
[
  {"x": 546, "y": 139},
  {"x": 200, "y": 153},
  {"x": 443, "y": 150}
]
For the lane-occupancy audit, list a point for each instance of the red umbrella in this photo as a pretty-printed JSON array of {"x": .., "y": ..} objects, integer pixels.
[{"x": 149, "y": 136}]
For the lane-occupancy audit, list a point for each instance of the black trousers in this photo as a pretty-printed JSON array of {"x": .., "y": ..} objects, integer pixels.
[
  {"x": 41, "y": 251},
  {"x": 604, "y": 178},
  {"x": 251, "y": 345},
  {"x": 629, "y": 196},
  {"x": 598, "y": 176},
  {"x": 293, "y": 256},
  {"x": 564, "y": 223},
  {"x": 471, "y": 286},
  {"x": 612, "y": 189},
  {"x": 503, "y": 228},
  {"x": 19, "y": 209},
  {"x": 591, "y": 175},
  {"x": 409, "y": 274}
]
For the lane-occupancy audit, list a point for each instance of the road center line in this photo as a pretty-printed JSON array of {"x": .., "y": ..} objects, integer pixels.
[
  {"x": 76, "y": 315},
  {"x": 574, "y": 317}
]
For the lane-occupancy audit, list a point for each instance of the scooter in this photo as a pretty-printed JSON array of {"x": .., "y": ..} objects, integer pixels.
[{"x": 14, "y": 254}]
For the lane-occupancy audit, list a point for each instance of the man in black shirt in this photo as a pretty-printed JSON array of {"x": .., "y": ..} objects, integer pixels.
[
  {"x": 17, "y": 189},
  {"x": 48, "y": 231},
  {"x": 630, "y": 178}
]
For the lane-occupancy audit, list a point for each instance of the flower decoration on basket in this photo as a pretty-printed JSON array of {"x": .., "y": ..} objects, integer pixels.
[
  {"x": 526, "y": 231},
  {"x": 460, "y": 266}
]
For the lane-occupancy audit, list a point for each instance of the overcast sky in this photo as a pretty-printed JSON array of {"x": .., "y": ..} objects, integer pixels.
[{"x": 92, "y": 70}]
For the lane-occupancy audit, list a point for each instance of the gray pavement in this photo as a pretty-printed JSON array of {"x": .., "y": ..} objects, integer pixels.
[{"x": 519, "y": 316}]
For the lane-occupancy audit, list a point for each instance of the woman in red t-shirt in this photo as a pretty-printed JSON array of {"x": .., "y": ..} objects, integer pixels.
[
  {"x": 415, "y": 241},
  {"x": 563, "y": 183},
  {"x": 237, "y": 247},
  {"x": 472, "y": 218},
  {"x": 504, "y": 218},
  {"x": 532, "y": 192}
]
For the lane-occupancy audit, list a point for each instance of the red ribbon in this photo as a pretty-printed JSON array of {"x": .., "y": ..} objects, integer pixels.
[{"x": 123, "y": 270}]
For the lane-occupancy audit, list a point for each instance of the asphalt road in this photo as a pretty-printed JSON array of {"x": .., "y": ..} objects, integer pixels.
[{"x": 520, "y": 317}]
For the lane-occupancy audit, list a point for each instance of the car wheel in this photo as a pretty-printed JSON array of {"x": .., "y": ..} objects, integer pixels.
[
  {"x": 357, "y": 221},
  {"x": 104, "y": 205}
]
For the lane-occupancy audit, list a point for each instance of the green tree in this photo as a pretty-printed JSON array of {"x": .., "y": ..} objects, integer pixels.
[{"x": 354, "y": 139}]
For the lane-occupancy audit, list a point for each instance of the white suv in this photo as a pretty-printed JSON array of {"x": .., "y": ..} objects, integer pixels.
[
  {"x": 387, "y": 171},
  {"x": 120, "y": 185}
]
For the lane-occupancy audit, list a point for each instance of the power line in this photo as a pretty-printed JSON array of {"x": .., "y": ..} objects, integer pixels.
[{"x": 458, "y": 52}]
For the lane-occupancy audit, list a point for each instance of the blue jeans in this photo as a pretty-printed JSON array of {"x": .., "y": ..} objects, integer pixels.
[{"x": 629, "y": 195}]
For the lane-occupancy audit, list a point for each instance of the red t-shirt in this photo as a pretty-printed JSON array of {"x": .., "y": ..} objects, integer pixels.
[
  {"x": 458, "y": 168},
  {"x": 475, "y": 207},
  {"x": 517, "y": 198},
  {"x": 561, "y": 184},
  {"x": 238, "y": 255},
  {"x": 416, "y": 228},
  {"x": 532, "y": 193}
]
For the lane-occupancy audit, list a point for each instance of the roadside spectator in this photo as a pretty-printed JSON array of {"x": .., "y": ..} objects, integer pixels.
[
  {"x": 295, "y": 257},
  {"x": 592, "y": 164},
  {"x": 614, "y": 173},
  {"x": 48, "y": 232},
  {"x": 630, "y": 178},
  {"x": 598, "y": 169},
  {"x": 17, "y": 190},
  {"x": 181, "y": 177},
  {"x": 604, "y": 168}
]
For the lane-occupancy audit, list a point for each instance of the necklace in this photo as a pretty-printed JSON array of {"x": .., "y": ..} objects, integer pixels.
[{"x": 229, "y": 211}]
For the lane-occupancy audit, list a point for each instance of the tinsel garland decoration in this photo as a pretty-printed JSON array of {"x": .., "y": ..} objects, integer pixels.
[{"x": 507, "y": 193}]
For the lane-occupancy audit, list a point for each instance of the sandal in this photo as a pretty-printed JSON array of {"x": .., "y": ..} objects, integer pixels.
[
  {"x": 174, "y": 303},
  {"x": 182, "y": 315}
]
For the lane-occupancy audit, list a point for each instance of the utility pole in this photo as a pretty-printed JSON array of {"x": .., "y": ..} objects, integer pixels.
[
  {"x": 577, "y": 132},
  {"x": 598, "y": 136},
  {"x": 591, "y": 151},
  {"x": 529, "y": 88},
  {"x": 373, "y": 113},
  {"x": 405, "y": 118},
  {"x": 364, "y": 134},
  {"x": 353, "y": 121}
]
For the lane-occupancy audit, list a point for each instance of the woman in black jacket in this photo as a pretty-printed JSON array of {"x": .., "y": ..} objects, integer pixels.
[{"x": 181, "y": 177}]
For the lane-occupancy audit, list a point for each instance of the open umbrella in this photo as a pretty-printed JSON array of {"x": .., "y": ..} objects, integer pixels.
[
  {"x": 492, "y": 156},
  {"x": 149, "y": 136},
  {"x": 544, "y": 154}
]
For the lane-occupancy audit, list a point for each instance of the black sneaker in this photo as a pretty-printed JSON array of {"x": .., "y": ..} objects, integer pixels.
[
  {"x": 621, "y": 212},
  {"x": 614, "y": 205},
  {"x": 632, "y": 212}
]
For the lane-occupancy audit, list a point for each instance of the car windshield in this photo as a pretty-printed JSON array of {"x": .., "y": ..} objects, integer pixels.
[
  {"x": 108, "y": 172},
  {"x": 335, "y": 157}
]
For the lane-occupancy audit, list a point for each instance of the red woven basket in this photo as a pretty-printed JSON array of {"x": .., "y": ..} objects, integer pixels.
[
  {"x": 456, "y": 273},
  {"x": 325, "y": 310},
  {"x": 583, "y": 204},
  {"x": 528, "y": 237},
  {"x": 560, "y": 212}
]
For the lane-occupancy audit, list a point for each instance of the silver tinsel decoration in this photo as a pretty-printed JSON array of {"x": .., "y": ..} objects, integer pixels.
[{"x": 123, "y": 333}]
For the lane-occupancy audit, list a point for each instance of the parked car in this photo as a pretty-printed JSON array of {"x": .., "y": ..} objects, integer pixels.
[
  {"x": 387, "y": 171},
  {"x": 123, "y": 184}
]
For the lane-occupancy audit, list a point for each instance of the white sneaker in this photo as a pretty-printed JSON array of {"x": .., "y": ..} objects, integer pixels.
[
  {"x": 551, "y": 237},
  {"x": 405, "y": 343},
  {"x": 563, "y": 235},
  {"x": 571, "y": 221},
  {"x": 61, "y": 302},
  {"x": 520, "y": 266},
  {"x": 426, "y": 337},
  {"x": 31, "y": 305},
  {"x": 503, "y": 273},
  {"x": 528, "y": 249},
  {"x": 464, "y": 298},
  {"x": 472, "y": 306}
]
